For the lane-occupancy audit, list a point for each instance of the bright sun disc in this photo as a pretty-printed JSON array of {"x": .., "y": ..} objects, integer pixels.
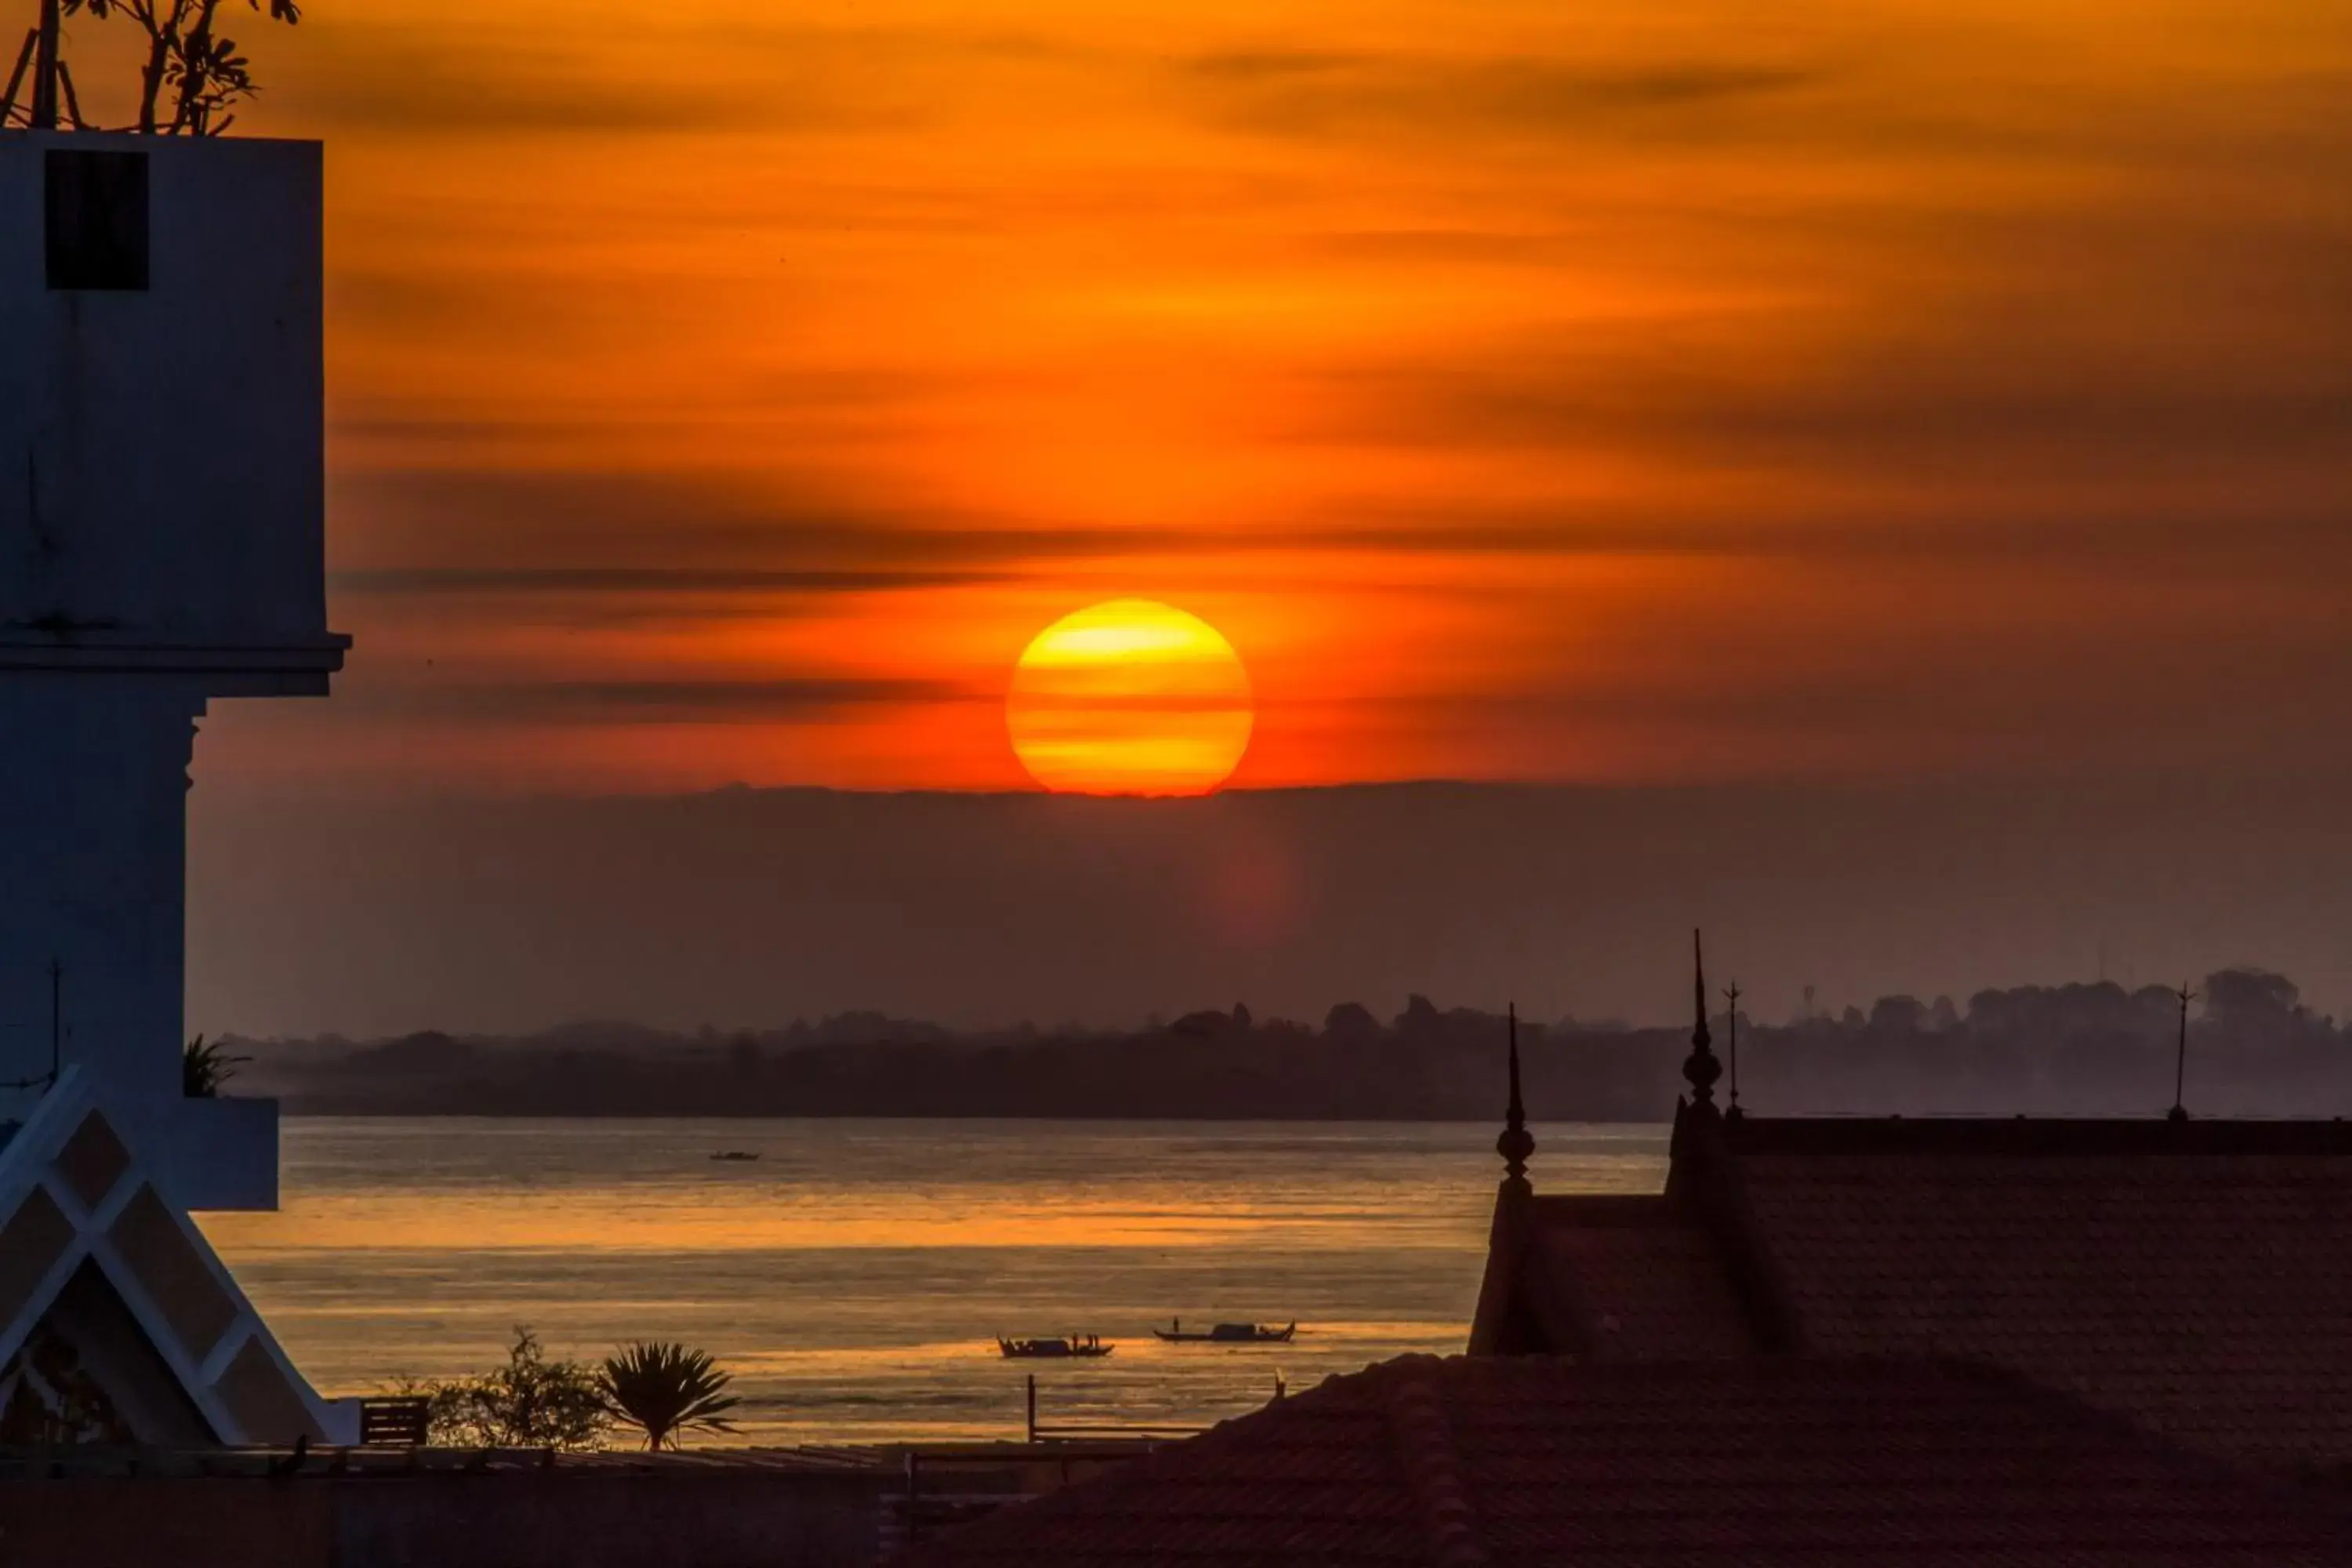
[{"x": 1130, "y": 698}]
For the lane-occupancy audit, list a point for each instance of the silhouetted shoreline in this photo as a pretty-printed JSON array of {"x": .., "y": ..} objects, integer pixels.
[{"x": 2083, "y": 1049}]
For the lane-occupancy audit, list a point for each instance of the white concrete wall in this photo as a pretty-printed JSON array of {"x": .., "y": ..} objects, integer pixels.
[
  {"x": 162, "y": 543},
  {"x": 94, "y": 788},
  {"x": 223, "y": 1153},
  {"x": 93, "y": 850},
  {"x": 162, "y": 453}
]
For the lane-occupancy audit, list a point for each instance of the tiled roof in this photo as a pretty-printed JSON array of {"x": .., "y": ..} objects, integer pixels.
[
  {"x": 2209, "y": 1299},
  {"x": 2193, "y": 1277},
  {"x": 89, "y": 1462},
  {"x": 1758, "y": 1464},
  {"x": 1649, "y": 1283}
]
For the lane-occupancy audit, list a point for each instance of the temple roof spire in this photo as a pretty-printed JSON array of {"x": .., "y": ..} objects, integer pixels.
[
  {"x": 1700, "y": 1070},
  {"x": 1517, "y": 1143}
]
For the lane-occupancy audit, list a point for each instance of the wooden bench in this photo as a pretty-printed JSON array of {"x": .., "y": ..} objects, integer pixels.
[{"x": 395, "y": 1422}]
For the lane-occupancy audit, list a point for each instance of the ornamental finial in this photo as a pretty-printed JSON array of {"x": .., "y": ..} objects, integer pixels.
[
  {"x": 1517, "y": 1143},
  {"x": 1701, "y": 1070}
]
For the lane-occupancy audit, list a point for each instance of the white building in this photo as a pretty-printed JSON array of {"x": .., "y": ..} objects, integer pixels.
[{"x": 162, "y": 544}]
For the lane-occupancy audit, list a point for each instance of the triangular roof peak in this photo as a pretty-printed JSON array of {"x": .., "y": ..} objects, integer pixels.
[{"x": 88, "y": 1225}]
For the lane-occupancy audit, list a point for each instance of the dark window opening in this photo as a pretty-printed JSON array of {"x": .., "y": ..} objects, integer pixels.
[{"x": 97, "y": 209}]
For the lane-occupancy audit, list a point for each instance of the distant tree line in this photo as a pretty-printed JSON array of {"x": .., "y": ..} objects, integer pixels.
[{"x": 2083, "y": 1049}]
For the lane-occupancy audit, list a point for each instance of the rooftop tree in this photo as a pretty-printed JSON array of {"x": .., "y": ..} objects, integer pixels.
[{"x": 190, "y": 67}]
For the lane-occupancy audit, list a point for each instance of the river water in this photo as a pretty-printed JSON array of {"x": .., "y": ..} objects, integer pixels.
[{"x": 853, "y": 1277}]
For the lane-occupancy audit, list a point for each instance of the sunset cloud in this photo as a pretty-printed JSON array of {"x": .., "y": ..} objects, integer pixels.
[{"x": 1525, "y": 392}]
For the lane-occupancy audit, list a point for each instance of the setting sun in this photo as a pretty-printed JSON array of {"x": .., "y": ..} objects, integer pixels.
[{"x": 1130, "y": 696}]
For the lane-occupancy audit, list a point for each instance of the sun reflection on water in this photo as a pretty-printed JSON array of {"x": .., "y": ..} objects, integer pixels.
[{"x": 854, "y": 1277}]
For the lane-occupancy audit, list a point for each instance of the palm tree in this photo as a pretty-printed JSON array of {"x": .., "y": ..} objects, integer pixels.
[{"x": 664, "y": 1388}]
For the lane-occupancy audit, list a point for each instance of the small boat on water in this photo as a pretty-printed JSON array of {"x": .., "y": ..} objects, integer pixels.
[
  {"x": 735, "y": 1154},
  {"x": 1062, "y": 1348},
  {"x": 1228, "y": 1334}
]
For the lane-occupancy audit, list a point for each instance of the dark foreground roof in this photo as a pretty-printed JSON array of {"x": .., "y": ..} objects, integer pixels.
[
  {"x": 2194, "y": 1276},
  {"x": 93, "y": 1461},
  {"x": 1760, "y": 1464}
]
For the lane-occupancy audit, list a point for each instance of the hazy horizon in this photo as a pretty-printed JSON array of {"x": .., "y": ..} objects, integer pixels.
[{"x": 750, "y": 907}]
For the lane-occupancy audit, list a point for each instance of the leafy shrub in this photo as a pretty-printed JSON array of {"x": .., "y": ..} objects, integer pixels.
[{"x": 530, "y": 1403}]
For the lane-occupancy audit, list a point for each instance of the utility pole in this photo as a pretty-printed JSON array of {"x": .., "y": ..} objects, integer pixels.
[
  {"x": 1731, "y": 1002},
  {"x": 2180, "y": 1112}
]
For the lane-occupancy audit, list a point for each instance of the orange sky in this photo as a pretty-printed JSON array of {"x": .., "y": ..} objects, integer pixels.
[{"x": 728, "y": 393}]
